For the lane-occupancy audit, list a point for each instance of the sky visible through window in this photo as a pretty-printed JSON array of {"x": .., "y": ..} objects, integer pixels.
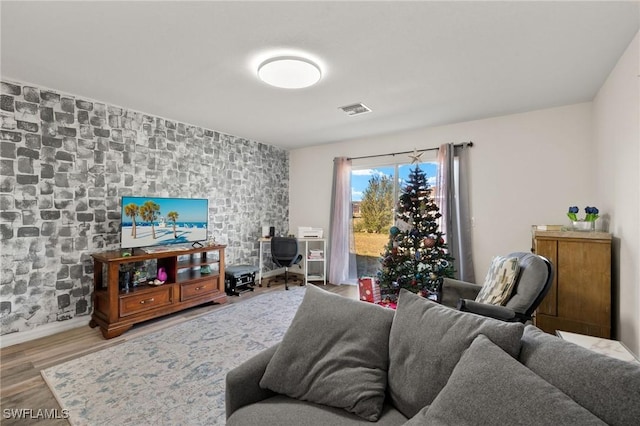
[{"x": 360, "y": 178}]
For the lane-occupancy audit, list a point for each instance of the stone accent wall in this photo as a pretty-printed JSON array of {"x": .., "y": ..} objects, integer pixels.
[{"x": 65, "y": 162}]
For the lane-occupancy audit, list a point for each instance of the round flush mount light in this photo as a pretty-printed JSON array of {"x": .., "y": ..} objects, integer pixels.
[{"x": 289, "y": 72}]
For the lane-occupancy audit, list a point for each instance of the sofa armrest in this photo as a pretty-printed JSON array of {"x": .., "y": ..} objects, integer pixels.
[
  {"x": 243, "y": 382},
  {"x": 485, "y": 309},
  {"x": 454, "y": 290}
]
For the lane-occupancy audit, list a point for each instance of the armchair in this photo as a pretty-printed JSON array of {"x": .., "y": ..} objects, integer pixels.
[{"x": 531, "y": 286}]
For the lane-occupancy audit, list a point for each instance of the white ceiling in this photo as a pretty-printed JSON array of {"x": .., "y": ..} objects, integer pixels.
[{"x": 415, "y": 64}]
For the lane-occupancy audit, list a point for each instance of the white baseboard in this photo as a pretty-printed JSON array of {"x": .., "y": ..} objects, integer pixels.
[
  {"x": 280, "y": 271},
  {"x": 273, "y": 273},
  {"x": 43, "y": 331}
]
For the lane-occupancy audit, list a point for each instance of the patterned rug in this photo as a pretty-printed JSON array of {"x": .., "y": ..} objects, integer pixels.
[{"x": 173, "y": 376}]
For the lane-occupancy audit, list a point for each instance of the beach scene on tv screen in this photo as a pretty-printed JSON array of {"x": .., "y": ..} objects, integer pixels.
[{"x": 149, "y": 221}]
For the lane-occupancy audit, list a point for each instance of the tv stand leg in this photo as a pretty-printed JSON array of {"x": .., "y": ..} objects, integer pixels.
[{"x": 196, "y": 245}]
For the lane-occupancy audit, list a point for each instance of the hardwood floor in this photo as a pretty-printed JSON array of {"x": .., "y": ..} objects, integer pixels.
[{"x": 22, "y": 386}]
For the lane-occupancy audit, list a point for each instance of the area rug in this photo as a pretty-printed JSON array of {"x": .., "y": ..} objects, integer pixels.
[{"x": 173, "y": 376}]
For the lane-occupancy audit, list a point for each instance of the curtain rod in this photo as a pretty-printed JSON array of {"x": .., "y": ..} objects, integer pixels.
[{"x": 469, "y": 144}]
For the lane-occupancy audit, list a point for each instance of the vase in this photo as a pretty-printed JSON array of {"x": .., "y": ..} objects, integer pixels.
[
  {"x": 583, "y": 225},
  {"x": 162, "y": 274}
]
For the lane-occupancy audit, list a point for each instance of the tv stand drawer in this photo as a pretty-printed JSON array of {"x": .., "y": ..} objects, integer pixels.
[
  {"x": 197, "y": 289},
  {"x": 146, "y": 301}
]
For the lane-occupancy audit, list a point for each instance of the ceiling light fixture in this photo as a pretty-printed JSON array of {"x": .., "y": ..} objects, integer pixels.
[{"x": 289, "y": 72}]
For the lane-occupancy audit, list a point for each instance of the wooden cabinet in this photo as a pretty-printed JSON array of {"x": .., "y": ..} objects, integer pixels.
[
  {"x": 580, "y": 298},
  {"x": 194, "y": 276}
]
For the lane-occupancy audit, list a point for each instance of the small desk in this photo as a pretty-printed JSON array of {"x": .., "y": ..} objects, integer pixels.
[
  {"x": 304, "y": 245},
  {"x": 613, "y": 348}
]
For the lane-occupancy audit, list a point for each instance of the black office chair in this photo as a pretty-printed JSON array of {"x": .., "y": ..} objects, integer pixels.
[
  {"x": 532, "y": 285},
  {"x": 284, "y": 253}
]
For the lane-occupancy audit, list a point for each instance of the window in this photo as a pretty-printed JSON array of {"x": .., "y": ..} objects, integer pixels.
[{"x": 374, "y": 194}]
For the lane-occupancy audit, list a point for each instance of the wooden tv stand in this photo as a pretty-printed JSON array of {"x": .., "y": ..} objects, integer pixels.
[{"x": 116, "y": 310}]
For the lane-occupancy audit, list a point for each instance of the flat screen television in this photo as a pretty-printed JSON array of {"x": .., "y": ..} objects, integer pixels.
[{"x": 150, "y": 221}]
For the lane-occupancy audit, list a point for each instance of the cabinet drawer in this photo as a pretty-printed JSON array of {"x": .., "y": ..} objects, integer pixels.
[
  {"x": 146, "y": 301},
  {"x": 197, "y": 289}
]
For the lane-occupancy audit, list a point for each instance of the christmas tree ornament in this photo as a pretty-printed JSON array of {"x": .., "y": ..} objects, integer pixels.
[
  {"x": 416, "y": 157},
  {"x": 429, "y": 242}
]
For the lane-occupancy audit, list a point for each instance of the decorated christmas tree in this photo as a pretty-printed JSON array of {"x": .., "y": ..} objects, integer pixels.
[{"x": 416, "y": 256}]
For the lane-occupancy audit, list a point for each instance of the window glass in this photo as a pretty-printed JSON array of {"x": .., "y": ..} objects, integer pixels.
[{"x": 374, "y": 194}]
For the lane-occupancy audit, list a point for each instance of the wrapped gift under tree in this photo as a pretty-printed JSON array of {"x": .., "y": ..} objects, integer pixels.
[{"x": 369, "y": 290}]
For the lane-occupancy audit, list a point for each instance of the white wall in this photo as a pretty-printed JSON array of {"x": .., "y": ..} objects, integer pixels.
[
  {"x": 525, "y": 169},
  {"x": 616, "y": 130}
]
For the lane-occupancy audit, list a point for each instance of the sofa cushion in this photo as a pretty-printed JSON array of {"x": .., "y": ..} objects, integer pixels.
[
  {"x": 608, "y": 387},
  {"x": 282, "y": 411},
  {"x": 489, "y": 387},
  {"x": 335, "y": 353},
  {"x": 426, "y": 342},
  {"x": 499, "y": 281}
]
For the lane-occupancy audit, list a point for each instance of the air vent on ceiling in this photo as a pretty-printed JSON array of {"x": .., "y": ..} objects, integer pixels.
[{"x": 356, "y": 109}]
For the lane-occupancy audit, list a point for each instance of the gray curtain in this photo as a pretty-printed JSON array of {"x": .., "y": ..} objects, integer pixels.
[
  {"x": 452, "y": 196},
  {"x": 342, "y": 262}
]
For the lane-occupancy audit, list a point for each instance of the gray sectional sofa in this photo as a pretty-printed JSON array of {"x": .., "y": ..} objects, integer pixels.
[{"x": 346, "y": 362}]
